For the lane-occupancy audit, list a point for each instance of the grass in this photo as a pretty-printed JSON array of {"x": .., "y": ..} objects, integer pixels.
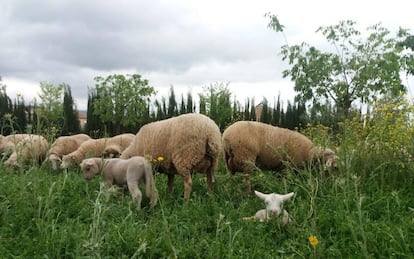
[{"x": 365, "y": 210}]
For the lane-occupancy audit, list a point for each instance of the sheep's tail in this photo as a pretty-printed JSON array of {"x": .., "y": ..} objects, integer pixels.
[{"x": 150, "y": 189}]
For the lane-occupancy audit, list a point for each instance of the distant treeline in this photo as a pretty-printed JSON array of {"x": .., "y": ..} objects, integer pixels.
[{"x": 216, "y": 102}]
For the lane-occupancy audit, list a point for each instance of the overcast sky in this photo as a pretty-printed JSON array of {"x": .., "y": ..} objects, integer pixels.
[{"x": 187, "y": 44}]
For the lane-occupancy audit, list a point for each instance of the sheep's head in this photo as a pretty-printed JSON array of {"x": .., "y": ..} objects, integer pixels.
[
  {"x": 274, "y": 201},
  {"x": 12, "y": 162},
  {"x": 55, "y": 160},
  {"x": 89, "y": 168},
  {"x": 326, "y": 157},
  {"x": 112, "y": 151},
  {"x": 67, "y": 161},
  {"x": 329, "y": 157}
]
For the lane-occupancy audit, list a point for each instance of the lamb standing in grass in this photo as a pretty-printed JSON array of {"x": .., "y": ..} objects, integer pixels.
[
  {"x": 274, "y": 207},
  {"x": 248, "y": 144},
  {"x": 187, "y": 143},
  {"x": 32, "y": 148},
  {"x": 64, "y": 145},
  {"x": 122, "y": 172}
]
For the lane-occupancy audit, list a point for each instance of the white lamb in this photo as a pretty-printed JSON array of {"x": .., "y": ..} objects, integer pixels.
[
  {"x": 274, "y": 207},
  {"x": 64, "y": 145},
  {"x": 124, "y": 172}
]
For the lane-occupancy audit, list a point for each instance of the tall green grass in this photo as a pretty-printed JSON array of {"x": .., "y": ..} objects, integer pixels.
[{"x": 365, "y": 210}]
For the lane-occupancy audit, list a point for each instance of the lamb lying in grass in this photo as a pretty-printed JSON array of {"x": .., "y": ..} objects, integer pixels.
[
  {"x": 124, "y": 172},
  {"x": 274, "y": 206}
]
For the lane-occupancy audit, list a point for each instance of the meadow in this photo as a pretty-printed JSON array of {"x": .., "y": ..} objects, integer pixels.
[{"x": 363, "y": 210}]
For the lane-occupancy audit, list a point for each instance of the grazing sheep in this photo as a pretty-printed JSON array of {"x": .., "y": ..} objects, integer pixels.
[
  {"x": 97, "y": 148},
  {"x": 248, "y": 144},
  {"x": 274, "y": 207},
  {"x": 8, "y": 143},
  {"x": 187, "y": 143},
  {"x": 64, "y": 145},
  {"x": 89, "y": 148},
  {"x": 117, "y": 144},
  {"x": 124, "y": 172},
  {"x": 29, "y": 149}
]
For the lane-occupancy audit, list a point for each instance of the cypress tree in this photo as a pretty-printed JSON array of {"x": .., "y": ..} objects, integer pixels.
[
  {"x": 172, "y": 104},
  {"x": 252, "y": 110},
  {"x": 71, "y": 123},
  {"x": 190, "y": 105},
  {"x": 246, "y": 114},
  {"x": 93, "y": 125},
  {"x": 182, "y": 109},
  {"x": 19, "y": 113},
  {"x": 264, "y": 117},
  {"x": 6, "y": 107}
]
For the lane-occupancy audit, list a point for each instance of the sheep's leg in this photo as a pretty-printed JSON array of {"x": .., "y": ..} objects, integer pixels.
[
  {"x": 135, "y": 193},
  {"x": 248, "y": 169},
  {"x": 246, "y": 180},
  {"x": 188, "y": 183},
  {"x": 170, "y": 182},
  {"x": 108, "y": 183},
  {"x": 210, "y": 180},
  {"x": 210, "y": 174}
]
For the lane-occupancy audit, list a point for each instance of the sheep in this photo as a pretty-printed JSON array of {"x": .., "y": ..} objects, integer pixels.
[
  {"x": 30, "y": 148},
  {"x": 124, "y": 172},
  {"x": 8, "y": 143},
  {"x": 117, "y": 144},
  {"x": 96, "y": 148},
  {"x": 89, "y": 148},
  {"x": 187, "y": 143},
  {"x": 274, "y": 207},
  {"x": 64, "y": 145},
  {"x": 248, "y": 144}
]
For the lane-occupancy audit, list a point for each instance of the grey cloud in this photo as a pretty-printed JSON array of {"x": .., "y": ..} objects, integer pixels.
[{"x": 74, "y": 41}]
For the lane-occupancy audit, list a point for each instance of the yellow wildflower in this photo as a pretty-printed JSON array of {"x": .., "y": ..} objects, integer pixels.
[
  {"x": 160, "y": 158},
  {"x": 313, "y": 240}
]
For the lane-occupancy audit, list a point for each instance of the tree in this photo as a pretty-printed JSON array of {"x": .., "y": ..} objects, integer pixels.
[
  {"x": 20, "y": 118},
  {"x": 50, "y": 112},
  {"x": 71, "y": 123},
  {"x": 123, "y": 100},
  {"x": 182, "y": 108},
  {"x": 94, "y": 124},
  {"x": 265, "y": 115},
  {"x": 5, "y": 108},
  {"x": 359, "y": 68},
  {"x": 215, "y": 103},
  {"x": 172, "y": 104},
  {"x": 190, "y": 105},
  {"x": 408, "y": 43}
]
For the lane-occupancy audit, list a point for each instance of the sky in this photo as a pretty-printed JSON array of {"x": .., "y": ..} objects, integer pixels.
[{"x": 186, "y": 44}]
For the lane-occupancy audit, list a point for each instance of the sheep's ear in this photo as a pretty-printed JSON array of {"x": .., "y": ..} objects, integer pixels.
[
  {"x": 89, "y": 162},
  {"x": 288, "y": 196},
  {"x": 260, "y": 195}
]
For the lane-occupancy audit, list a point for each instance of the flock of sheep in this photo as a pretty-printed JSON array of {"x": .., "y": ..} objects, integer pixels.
[{"x": 185, "y": 144}]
